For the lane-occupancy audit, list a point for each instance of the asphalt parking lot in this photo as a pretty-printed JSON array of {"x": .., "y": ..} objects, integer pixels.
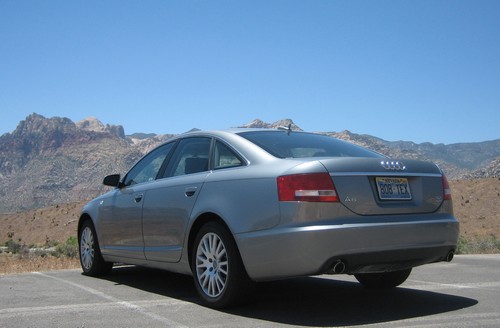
[{"x": 463, "y": 293}]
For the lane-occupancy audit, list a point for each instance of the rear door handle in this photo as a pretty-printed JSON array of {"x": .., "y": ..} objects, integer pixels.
[{"x": 190, "y": 191}]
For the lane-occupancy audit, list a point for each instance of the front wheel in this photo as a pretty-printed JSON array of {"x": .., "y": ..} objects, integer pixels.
[
  {"x": 90, "y": 255},
  {"x": 219, "y": 275},
  {"x": 383, "y": 280}
]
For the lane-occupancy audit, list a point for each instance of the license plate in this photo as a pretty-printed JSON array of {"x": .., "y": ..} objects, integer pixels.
[{"x": 393, "y": 188}]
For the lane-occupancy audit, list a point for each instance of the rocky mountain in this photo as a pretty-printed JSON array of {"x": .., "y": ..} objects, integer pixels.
[
  {"x": 47, "y": 161},
  {"x": 54, "y": 160}
]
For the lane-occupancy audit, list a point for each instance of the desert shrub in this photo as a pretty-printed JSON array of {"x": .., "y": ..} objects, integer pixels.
[
  {"x": 478, "y": 245},
  {"x": 67, "y": 249},
  {"x": 13, "y": 246}
]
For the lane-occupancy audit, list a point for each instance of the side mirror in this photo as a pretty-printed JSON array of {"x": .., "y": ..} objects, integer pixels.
[{"x": 112, "y": 180}]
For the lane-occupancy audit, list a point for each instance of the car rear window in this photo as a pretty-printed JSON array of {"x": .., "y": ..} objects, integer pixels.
[{"x": 282, "y": 144}]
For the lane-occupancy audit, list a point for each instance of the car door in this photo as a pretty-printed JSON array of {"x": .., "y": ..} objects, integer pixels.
[
  {"x": 121, "y": 214},
  {"x": 167, "y": 206}
]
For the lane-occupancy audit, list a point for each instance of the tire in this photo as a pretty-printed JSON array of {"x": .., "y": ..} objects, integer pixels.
[
  {"x": 384, "y": 280},
  {"x": 219, "y": 275},
  {"x": 90, "y": 254}
]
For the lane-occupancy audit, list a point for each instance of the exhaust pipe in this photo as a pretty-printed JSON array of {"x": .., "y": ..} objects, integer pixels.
[
  {"x": 450, "y": 256},
  {"x": 337, "y": 268}
]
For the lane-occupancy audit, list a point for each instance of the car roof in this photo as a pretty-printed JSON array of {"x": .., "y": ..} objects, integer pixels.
[{"x": 234, "y": 131}]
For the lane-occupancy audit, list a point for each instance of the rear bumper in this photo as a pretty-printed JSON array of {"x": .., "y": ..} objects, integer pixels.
[{"x": 366, "y": 247}]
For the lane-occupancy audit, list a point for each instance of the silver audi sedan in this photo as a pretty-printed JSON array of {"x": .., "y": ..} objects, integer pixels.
[{"x": 236, "y": 207}]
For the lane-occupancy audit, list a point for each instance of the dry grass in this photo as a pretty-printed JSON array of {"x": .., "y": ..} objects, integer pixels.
[
  {"x": 13, "y": 263},
  {"x": 476, "y": 205}
]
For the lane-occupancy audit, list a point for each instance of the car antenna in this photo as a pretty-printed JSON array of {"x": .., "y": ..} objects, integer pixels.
[{"x": 288, "y": 128}]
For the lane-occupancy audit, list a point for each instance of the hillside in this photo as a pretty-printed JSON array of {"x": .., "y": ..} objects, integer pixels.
[{"x": 47, "y": 161}]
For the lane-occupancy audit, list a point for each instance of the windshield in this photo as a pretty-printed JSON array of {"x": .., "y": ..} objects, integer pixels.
[{"x": 298, "y": 145}]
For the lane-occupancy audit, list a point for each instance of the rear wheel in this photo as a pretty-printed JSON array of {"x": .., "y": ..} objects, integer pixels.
[
  {"x": 90, "y": 255},
  {"x": 383, "y": 280},
  {"x": 219, "y": 275}
]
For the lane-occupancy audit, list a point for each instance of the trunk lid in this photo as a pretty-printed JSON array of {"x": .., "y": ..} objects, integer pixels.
[{"x": 379, "y": 186}]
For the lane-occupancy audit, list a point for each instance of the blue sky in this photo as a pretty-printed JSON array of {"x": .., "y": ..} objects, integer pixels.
[{"x": 399, "y": 70}]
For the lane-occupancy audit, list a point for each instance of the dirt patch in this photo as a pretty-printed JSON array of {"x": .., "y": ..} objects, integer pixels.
[
  {"x": 41, "y": 227},
  {"x": 476, "y": 204}
]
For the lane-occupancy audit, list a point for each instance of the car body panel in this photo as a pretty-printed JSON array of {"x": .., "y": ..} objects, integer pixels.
[
  {"x": 166, "y": 212},
  {"x": 309, "y": 250},
  {"x": 120, "y": 222},
  {"x": 359, "y": 194},
  {"x": 245, "y": 209},
  {"x": 355, "y": 184}
]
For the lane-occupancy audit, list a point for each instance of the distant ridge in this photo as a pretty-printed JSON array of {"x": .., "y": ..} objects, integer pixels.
[
  {"x": 93, "y": 124},
  {"x": 47, "y": 161},
  {"x": 258, "y": 124}
]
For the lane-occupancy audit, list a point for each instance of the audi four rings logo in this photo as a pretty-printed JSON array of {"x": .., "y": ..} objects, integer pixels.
[{"x": 396, "y": 166}]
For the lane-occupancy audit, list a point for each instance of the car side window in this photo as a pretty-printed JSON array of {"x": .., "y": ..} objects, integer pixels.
[
  {"x": 224, "y": 157},
  {"x": 190, "y": 156},
  {"x": 148, "y": 167}
]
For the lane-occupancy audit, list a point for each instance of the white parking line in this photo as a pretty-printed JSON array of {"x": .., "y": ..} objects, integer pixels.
[
  {"x": 475, "y": 285},
  {"x": 115, "y": 301},
  {"x": 91, "y": 307},
  {"x": 464, "y": 320}
]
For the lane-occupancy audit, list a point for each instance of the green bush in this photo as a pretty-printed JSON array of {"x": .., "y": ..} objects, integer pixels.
[
  {"x": 68, "y": 249},
  {"x": 12, "y": 246}
]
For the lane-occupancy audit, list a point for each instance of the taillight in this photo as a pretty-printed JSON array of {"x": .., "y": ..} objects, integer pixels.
[
  {"x": 311, "y": 187},
  {"x": 446, "y": 189}
]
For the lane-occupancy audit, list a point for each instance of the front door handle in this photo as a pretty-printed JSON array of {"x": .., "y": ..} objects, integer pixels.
[{"x": 138, "y": 198}]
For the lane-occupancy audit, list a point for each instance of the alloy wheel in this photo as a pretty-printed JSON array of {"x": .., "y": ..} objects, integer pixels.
[
  {"x": 212, "y": 265},
  {"x": 87, "y": 248}
]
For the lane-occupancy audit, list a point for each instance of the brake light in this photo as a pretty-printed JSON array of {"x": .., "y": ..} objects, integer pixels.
[
  {"x": 446, "y": 189},
  {"x": 311, "y": 187}
]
